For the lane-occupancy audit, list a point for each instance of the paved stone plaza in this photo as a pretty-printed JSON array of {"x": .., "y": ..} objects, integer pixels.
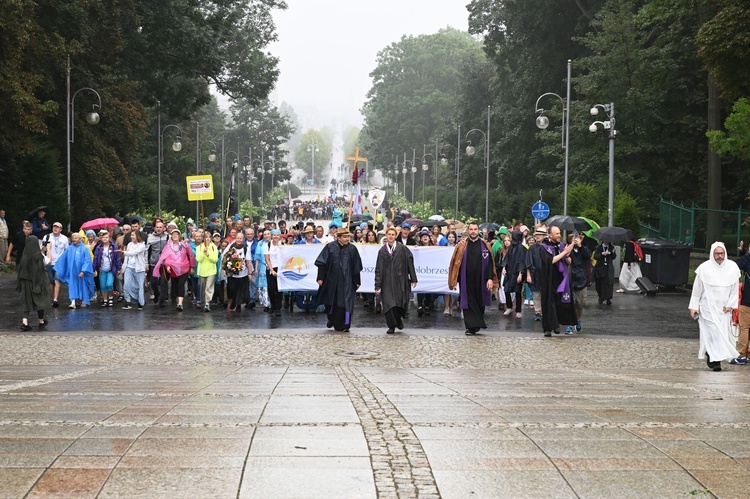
[{"x": 330, "y": 415}]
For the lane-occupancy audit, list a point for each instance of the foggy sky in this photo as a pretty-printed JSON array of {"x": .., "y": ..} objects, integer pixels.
[{"x": 327, "y": 49}]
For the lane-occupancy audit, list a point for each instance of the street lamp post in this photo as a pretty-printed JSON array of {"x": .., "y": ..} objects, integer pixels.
[
  {"x": 470, "y": 150},
  {"x": 425, "y": 167},
  {"x": 176, "y": 147},
  {"x": 235, "y": 164},
  {"x": 259, "y": 170},
  {"x": 608, "y": 125},
  {"x": 313, "y": 148},
  {"x": 92, "y": 118},
  {"x": 444, "y": 161},
  {"x": 542, "y": 122},
  {"x": 198, "y": 156},
  {"x": 405, "y": 169}
]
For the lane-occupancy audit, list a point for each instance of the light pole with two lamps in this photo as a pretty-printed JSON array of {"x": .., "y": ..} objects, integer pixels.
[
  {"x": 608, "y": 125},
  {"x": 542, "y": 122},
  {"x": 92, "y": 118}
]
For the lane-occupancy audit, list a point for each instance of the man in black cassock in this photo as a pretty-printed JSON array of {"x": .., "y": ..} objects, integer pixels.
[
  {"x": 339, "y": 266},
  {"x": 473, "y": 268},
  {"x": 557, "y": 294},
  {"x": 394, "y": 272}
]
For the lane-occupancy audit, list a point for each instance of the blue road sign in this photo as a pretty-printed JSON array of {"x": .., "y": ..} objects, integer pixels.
[{"x": 540, "y": 210}]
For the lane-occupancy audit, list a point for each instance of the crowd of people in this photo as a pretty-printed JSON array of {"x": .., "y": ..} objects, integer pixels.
[{"x": 237, "y": 265}]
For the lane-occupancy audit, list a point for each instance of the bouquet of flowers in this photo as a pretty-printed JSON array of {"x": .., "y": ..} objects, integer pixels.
[{"x": 233, "y": 264}]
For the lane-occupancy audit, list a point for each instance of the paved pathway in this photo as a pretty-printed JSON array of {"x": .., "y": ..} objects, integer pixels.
[{"x": 330, "y": 415}]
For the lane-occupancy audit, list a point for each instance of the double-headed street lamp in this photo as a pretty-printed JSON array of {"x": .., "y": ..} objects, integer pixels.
[
  {"x": 92, "y": 118},
  {"x": 542, "y": 122},
  {"x": 608, "y": 125},
  {"x": 470, "y": 150},
  {"x": 313, "y": 148}
]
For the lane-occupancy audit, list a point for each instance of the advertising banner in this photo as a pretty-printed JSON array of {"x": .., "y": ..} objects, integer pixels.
[{"x": 298, "y": 272}]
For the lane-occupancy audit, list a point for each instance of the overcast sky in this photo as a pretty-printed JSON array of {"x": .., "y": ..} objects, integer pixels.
[{"x": 327, "y": 49}]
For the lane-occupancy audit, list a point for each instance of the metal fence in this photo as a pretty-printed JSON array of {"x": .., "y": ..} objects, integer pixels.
[{"x": 688, "y": 224}]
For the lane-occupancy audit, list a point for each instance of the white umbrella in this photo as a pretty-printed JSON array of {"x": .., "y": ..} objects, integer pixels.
[{"x": 437, "y": 217}]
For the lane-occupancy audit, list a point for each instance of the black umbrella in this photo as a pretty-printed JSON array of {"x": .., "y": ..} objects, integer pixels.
[
  {"x": 135, "y": 217},
  {"x": 566, "y": 222},
  {"x": 613, "y": 234},
  {"x": 490, "y": 226},
  {"x": 33, "y": 213},
  {"x": 433, "y": 223}
]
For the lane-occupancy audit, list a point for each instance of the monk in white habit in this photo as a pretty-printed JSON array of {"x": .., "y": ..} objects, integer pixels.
[{"x": 715, "y": 296}]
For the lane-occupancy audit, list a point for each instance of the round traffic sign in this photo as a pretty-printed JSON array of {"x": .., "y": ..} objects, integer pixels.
[{"x": 540, "y": 210}]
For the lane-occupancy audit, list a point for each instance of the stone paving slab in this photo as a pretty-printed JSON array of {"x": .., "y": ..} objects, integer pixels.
[{"x": 423, "y": 417}]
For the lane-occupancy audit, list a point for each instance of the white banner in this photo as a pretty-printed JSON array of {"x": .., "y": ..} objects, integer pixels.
[{"x": 298, "y": 272}]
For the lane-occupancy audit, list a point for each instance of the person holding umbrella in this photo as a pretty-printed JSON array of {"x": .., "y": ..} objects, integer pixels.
[{"x": 40, "y": 227}]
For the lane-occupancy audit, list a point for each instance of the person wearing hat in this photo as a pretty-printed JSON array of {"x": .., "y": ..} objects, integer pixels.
[
  {"x": 75, "y": 269},
  {"x": 308, "y": 236},
  {"x": 339, "y": 267},
  {"x": 405, "y": 237},
  {"x": 333, "y": 227},
  {"x": 53, "y": 246},
  {"x": 534, "y": 277}
]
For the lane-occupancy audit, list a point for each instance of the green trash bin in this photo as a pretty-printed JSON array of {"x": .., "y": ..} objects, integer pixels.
[{"x": 665, "y": 262}]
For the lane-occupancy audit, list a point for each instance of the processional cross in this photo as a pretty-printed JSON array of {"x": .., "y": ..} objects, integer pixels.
[{"x": 355, "y": 177}]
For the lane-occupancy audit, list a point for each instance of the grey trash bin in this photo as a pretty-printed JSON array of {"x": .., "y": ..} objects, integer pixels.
[{"x": 665, "y": 262}]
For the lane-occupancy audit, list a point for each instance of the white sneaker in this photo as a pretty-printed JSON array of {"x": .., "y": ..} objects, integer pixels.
[
  {"x": 526, "y": 302},
  {"x": 508, "y": 312},
  {"x": 72, "y": 305},
  {"x": 446, "y": 312}
]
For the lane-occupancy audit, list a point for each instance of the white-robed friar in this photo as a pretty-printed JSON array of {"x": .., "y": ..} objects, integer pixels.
[{"x": 715, "y": 295}]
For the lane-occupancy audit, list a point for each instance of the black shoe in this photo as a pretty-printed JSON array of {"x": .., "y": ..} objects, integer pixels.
[
  {"x": 406, "y": 315},
  {"x": 537, "y": 317},
  {"x": 390, "y": 331},
  {"x": 162, "y": 304},
  {"x": 346, "y": 330},
  {"x": 609, "y": 302},
  {"x": 278, "y": 313},
  {"x": 557, "y": 331},
  {"x": 26, "y": 327},
  {"x": 55, "y": 304},
  {"x": 469, "y": 332},
  {"x": 43, "y": 324},
  {"x": 420, "y": 312},
  {"x": 400, "y": 324},
  {"x": 548, "y": 334},
  {"x": 251, "y": 305},
  {"x": 329, "y": 324},
  {"x": 179, "y": 307},
  {"x": 378, "y": 309}
]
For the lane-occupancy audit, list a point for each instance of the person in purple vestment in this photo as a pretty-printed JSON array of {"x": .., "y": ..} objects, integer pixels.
[
  {"x": 473, "y": 269},
  {"x": 557, "y": 296}
]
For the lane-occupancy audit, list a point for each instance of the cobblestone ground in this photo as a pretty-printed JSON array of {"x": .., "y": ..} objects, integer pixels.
[{"x": 330, "y": 415}]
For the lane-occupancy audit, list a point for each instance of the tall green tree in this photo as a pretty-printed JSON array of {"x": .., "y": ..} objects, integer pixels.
[
  {"x": 303, "y": 154},
  {"x": 413, "y": 92}
]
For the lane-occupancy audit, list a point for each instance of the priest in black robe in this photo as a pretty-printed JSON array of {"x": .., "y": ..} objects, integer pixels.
[
  {"x": 394, "y": 274},
  {"x": 557, "y": 294},
  {"x": 473, "y": 269},
  {"x": 339, "y": 267}
]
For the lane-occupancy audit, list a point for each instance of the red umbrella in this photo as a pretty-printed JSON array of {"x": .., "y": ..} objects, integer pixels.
[{"x": 100, "y": 223}]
